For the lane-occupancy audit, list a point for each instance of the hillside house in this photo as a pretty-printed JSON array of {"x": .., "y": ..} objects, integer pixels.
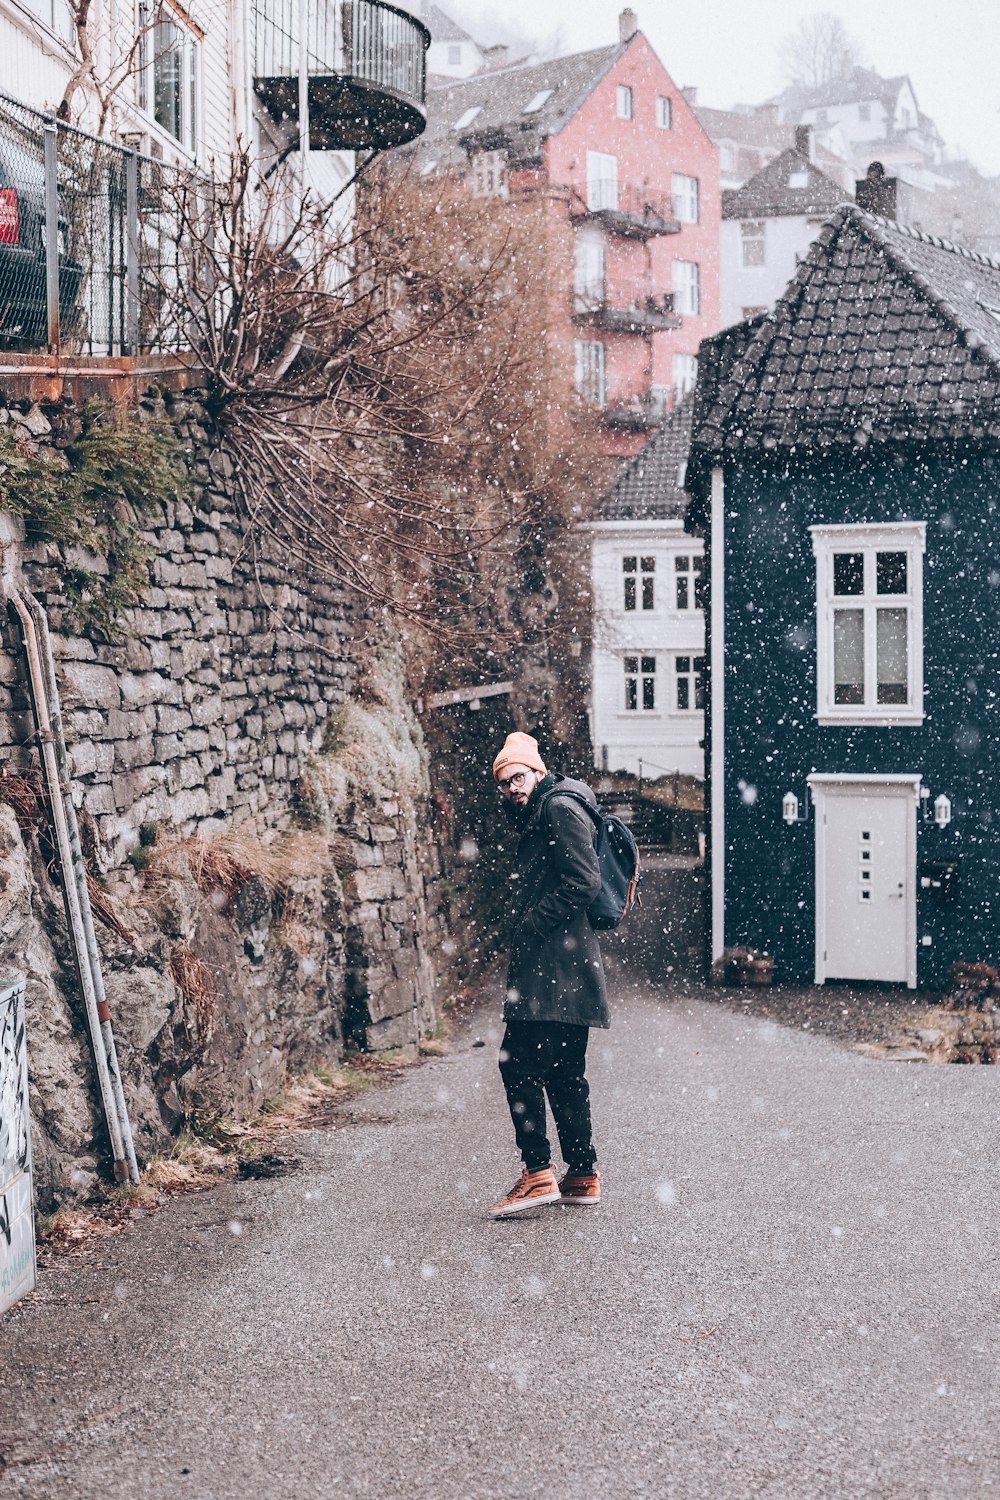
[
  {"x": 845, "y": 458},
  {"x": 768, "y": 226},
  {"x": 629, "y": 183},
  {"x": 647, "y": 664}
]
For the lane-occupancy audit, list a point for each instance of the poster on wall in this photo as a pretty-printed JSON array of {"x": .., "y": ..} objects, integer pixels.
[{"x": 17, "y": 1224}]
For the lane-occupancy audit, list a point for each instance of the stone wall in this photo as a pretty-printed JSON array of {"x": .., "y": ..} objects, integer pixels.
[{"x": 245, "y": 717}]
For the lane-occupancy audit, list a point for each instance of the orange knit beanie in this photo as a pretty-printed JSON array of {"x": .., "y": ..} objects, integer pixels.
[{"x": 519, "y": 750}]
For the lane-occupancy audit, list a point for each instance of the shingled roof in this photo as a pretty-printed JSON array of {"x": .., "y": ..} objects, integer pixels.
[
  {"x": 501, "y": 98},
  {"x": 856, "y": 87},
  {"x": 886, "y": 335},
  {"x": 650, "y": 486},
  {"x": 441, "y": 26},
  {"x": 776, "y": 190}
]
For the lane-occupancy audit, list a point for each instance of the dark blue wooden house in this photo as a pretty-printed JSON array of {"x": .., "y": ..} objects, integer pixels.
[{"x": 845, "y": 474}]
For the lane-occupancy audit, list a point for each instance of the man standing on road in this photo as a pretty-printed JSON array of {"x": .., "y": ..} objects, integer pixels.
[{"x": 555, "y": 980}]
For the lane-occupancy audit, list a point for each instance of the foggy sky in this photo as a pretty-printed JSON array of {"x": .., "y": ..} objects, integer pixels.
[{"x": 727, "y": 48}]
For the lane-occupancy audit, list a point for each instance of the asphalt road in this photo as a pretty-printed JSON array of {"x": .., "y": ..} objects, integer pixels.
[{"x": 791, "y": 1290}]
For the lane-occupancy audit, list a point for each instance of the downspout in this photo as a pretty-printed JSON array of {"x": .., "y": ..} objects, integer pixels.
[
  {"x": 70, "y": 887},
  {"x": 80, "y": 875}
]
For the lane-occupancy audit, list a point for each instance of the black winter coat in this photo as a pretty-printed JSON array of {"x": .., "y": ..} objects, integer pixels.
[{"x": 555, "y": 971}]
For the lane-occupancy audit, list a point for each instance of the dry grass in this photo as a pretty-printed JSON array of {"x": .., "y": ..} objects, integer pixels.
[
  {"x": 194, "y": 980},
  {"x": 235, "y": 859}
]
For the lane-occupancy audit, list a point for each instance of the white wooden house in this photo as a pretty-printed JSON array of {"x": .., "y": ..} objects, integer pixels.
[{"x": 647, "y": 710}]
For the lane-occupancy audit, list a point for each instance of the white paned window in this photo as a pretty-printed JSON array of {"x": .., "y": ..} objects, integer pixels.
[
  {"x": 588, "y": 272},
  {"x": 752, "y": 243},
  {"x": 685, "y": 195},
  {"x": 487, "y": 174},
  {"x": 638, "y": 582},
  {"x": 685, "y": 372},
  {"x": 664, "y": 112},
  {"x": 869, "y": 623},
  {"x": 168, "y": 74},
  {"x": 602, "y": 181},
  {"x": 591, "y": 372},
  {"x": 687, "y": 288},
  {"x": 689, "y": 684},
  {"x": 640, "y": 684},
  {"x": 687, "y": 580},
  {"x": 623, "y": 101}
]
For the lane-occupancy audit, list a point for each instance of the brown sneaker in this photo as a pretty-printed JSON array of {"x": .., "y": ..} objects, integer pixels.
[
  {"x": 581, "y": 1187},
  {"x": 534, "y": 1188}
]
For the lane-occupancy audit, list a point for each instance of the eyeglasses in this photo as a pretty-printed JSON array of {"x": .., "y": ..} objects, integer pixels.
[{"x": 518, "y": 779}]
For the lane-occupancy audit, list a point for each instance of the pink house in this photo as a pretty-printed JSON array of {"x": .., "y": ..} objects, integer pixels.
[{"x": 629, "y": 183}]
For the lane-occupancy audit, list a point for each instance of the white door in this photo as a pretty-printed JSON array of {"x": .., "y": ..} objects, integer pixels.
[{"x": 865, "y": 897}]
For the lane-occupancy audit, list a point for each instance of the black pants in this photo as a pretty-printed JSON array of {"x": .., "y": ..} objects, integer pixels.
[{"x": 548, "y": 1057}]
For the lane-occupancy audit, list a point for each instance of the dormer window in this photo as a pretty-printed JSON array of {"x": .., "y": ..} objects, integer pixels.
[
  {"x": 466, "y": 118},
  {"x": 798, "y": 179},
  {"x": 538, "y": 101}
]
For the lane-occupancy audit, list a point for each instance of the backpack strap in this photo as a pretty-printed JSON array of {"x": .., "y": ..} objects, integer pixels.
[{"x": 545, "y": 820}]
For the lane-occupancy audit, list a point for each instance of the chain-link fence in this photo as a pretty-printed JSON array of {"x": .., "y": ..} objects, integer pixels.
[{"x": 90, "y": 241}]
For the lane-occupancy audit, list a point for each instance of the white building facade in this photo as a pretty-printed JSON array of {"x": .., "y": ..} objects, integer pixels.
[
  {"x": 648, "y": 647},
  {"x": 768, "y": 226}
]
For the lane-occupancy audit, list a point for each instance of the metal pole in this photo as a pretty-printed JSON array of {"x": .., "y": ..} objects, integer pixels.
[
  {"x": 50, "y": 139},
  {"x": 302, "y": 12},
  {"x": 132, "y": 253},
  {"x": 69, "y": 887},
  {"x": 80, "y": 875},
  {"x": 640, "y": 773}
]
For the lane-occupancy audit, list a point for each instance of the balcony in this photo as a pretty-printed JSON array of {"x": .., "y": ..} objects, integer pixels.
[
  {"x": 638, "y": 414},
  {"x": 366, "y": 68},
  {"x": 654, "y": 315},
  {"x": 636, "y": 213}
]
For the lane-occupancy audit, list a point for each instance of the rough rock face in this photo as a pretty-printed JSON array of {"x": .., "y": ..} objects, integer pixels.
[{"x": 234, "y": 711}]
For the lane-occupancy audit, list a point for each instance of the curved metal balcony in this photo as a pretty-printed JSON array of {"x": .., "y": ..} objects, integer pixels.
[
  {"x": 634, "y": 212},
  {"x": 654, "y": 315},
  {"x": 366, "y": 67}
]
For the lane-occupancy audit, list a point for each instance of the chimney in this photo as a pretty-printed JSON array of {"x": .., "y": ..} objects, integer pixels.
[
  {"x": 805, "y": 142},
  {"x": 628, "y": 24},
  {"x": 497, "y": 56},
  {"x": 690, "y": 94},
  {"x": 876, "y": 193}
]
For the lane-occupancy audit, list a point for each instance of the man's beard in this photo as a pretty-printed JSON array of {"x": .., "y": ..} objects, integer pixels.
[{"x": 516, "y": 813}]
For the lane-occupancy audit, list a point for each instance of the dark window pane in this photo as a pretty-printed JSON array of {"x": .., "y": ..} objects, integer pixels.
[
  {"x": 682, "y": 593},
  {"x": 631, "y": 700},
  {"x": 699, "y": 692},
  {"x": 848, "y": 572},
  {"x": 684, "y": 664},
  {"x": 649, "y": 564},
  {"x": 628, "y": 563},
  {"x": 647, "y": 593},
  {"x": 680, "y": 563},
  {"x": 629, "y": 593},
  {"x": 648, "y": 687},
  {"x": 683, "y": 693},
  {"x": 890, "y": 572},
  {"x": 697, "y": 564},
  {"x": 631, "y": 664},
  {"x": 649, "y": 663},
  {"x": 699, "y": 664}
]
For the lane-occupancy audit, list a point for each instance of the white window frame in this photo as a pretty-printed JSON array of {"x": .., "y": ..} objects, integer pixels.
[
  {"x": 486, "y": 174},
  {"x": 591, "y": 374},
  {"x": 684, "y": 368},
  {"x": 454, "y": 54},
  {"x": 151, "y": 17},
  {"x": 602, "y": 181},
  {"x": 639, "y": 676},
  {"x": 753, "y": 232},
  {"x": 690, "y": 675},
  {"x": 870, "y": 538},
  {"x": 589, "y": 271},
  {"x": 664, "y": 112},
  {"x": 687, "y": 288},
  {"x": 642, "y": 572},
  {"x": 623, "y": 101},
  {"x": 685, "y": 193},
  {"x": 691, "y": 573}
]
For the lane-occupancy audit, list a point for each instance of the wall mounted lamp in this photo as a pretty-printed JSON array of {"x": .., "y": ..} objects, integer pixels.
[
  {"x": 792, "y": 811},
  {"x": 942, "y": 807}
]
